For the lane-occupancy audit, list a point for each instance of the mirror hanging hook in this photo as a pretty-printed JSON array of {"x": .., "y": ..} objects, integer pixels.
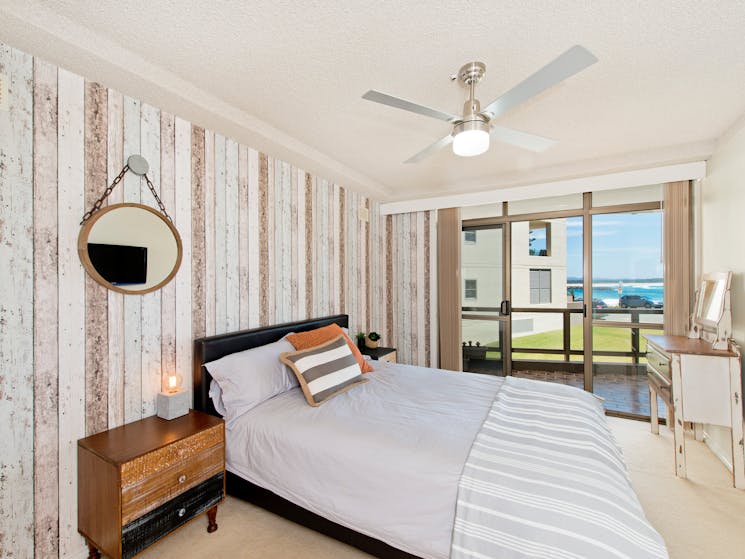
[{"x": 139, "y": 166}]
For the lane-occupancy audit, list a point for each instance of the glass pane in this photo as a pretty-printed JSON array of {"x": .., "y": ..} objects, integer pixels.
[
  {"x": 547, "y": 263},
  {"x": 619, "y": 368},
  {"x": 627, "y": 289},
  {"x": 547, "y": 312},
  {"x": 551, "y": 204},
  {"x": 482, "y": 344},
  {"x": 477, "y": 212},
  {"x": 649, "y": 193},
  {"x": 482, "y": 273}
]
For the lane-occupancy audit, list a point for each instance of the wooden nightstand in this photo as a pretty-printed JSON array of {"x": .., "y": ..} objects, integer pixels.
[
  {"x": 141, "y": 481},
  {"x": 380, "y": 353}
]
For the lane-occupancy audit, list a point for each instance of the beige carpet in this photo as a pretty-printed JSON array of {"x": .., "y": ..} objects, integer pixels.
[{"x": 701, "y": 517}]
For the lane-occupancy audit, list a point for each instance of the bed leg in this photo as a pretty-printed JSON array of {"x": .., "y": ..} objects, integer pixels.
[{"x": 212, "y": 519}]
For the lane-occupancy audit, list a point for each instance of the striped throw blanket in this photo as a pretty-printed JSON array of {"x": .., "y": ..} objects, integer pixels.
[{"x": 545, "y": 479}]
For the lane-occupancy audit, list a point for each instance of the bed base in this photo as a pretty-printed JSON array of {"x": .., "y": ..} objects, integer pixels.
[
  {"x": 247, "y": 491},
  {"x": 215, "y": 347}
]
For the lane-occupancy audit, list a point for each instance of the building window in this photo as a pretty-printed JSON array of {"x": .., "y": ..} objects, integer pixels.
[
  {"x": 469, "y": 237},
  {"x": 470, "y": 291},
  {"x": 540, "y": 287},
  {"x": 539, "y": 238}
]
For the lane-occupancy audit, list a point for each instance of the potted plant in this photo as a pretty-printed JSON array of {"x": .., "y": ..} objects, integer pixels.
[
  {"x": 372, "y": 340},
  {"x": 360, "y": 339}
]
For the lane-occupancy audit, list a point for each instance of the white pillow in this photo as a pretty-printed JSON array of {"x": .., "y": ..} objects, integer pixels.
[
  {"x": 216, "y": 395},
  {"x": 248, "y": 378}
]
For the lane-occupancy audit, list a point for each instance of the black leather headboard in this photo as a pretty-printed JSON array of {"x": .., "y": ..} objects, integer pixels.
[{"x": 215, "y": 347}]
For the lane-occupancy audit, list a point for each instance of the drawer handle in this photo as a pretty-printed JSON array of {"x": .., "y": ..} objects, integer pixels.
[
  {"x": 182, "y": 478},
  {"x": 181, "y": 512}
]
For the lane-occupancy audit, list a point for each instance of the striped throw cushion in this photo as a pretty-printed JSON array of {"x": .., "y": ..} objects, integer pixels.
[{"x": 325, "y": 370}]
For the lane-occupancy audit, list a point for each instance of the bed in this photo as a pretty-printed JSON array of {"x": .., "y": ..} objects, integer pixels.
[{"x": 382, "y": 471}]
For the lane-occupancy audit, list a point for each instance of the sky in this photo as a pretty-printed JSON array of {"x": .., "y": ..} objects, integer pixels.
[{"x": 624, "y": 246}]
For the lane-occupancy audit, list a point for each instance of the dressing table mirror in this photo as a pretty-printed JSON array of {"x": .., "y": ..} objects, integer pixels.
[
  {"x": 712, "y": 316},
  {"x": 130, "y": 248}
]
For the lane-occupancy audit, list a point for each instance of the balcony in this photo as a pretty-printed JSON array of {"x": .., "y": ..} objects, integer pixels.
[{"x": 557, "y": 355}]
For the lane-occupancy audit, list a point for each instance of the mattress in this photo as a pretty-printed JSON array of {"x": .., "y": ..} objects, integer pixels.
[{"x": 383, "y": 459}]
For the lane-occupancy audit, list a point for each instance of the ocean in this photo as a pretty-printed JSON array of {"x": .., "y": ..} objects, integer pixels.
[{"x": 609, "y": 293}]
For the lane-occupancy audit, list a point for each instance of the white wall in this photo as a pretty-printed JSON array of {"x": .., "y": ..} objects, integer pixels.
[{"x": 722, "y": 232}]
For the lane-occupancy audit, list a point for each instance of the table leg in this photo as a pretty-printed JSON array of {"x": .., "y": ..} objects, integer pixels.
[
  {"x": 653, "y": 411},
  {"x": 93, "y": 552},
  {"x": 212, "y": 519},
  {"x": 738, "y": 459},
  {"x": 678, "y": 431}
]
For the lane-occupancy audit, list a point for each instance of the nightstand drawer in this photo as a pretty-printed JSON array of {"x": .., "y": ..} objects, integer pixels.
[
  {"x": 140, "y": 533},
  {"x": 163, "y": 458},
  {"x": 151, "y": 492}
]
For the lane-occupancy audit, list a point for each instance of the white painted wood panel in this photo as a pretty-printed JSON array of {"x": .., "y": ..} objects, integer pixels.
[
  {"x": 351, "y": 247},
  {"x": 182, "y": 216},
  {"x": 243, "y": 269},
  {"x": 116, "y": 334},
  {"x": 286, "y": 270},
  {"x": 131, "y": 185},
  {"x": 71, "y": 201},
  {"x": 221, "y": 283},
  {"x": 16, "y": 306},
  {"x": 231, "y": 237},
  {"x": 434, "y": 351},
  {"x": 168, "y": 197},
  {"x": 295, "y": 281},
  {"x": 209, "y": 232},
  {"x": 301, "y": 247},
  {"x": 421, "y": 288},
  {"x": 271, "y": 200},
  {"x": 277, "y": 209},
  {"x": 45, "y": 312},
  {"x": 151, "y": 309},
  {"x": 253, "y": 238},
  {"x": 336, "y": 244}
]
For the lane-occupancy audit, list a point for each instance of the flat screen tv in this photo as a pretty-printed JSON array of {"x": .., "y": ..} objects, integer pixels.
[{"x": 119, "y": 264}]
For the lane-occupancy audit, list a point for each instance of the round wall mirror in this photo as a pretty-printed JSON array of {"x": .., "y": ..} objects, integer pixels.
[{"x": 130, "y": 248}]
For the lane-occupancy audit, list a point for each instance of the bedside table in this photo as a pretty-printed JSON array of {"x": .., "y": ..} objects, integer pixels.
[
  {"x": 141, "y": 481},
  {"x": 380, "y": 353}
]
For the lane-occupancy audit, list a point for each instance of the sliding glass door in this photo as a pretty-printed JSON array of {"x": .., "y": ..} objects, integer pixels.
[
  {"x": 482, "y": 292},
  {"x": 563, "y": 289},
  {"x": 627, "y": 283}
]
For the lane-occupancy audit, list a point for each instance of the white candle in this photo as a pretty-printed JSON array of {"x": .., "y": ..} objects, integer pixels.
[{"x": 172, "y": 383}]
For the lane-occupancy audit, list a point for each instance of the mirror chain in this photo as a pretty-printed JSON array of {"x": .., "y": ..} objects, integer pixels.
[{"x": 97, "y": 205}]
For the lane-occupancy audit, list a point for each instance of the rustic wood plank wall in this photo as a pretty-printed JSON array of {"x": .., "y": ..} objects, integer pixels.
[{"x": 263, "y": 242}]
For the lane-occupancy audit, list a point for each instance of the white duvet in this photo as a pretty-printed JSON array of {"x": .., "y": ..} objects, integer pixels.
[{"x": 383, "y": 458}]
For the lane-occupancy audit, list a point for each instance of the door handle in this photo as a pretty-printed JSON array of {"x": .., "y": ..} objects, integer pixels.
[{"x": 504, "y": 308}]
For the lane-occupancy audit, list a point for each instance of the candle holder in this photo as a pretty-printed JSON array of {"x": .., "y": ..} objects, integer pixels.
[{"x": 172, "y": 401}]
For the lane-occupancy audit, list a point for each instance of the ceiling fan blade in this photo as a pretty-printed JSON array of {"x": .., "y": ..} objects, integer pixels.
[
  {"x": 429, "y": 150},
  {"x": 521, "y": 139},
  {"x": 399, "y": 103},
  {"x": 566, "y": 65}
]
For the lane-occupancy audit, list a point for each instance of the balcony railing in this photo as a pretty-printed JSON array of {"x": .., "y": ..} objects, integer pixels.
[{"x": 566, "y": 352}]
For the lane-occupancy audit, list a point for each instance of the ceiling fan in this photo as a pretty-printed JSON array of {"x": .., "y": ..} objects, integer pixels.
[{"x": 471, "y": 131}]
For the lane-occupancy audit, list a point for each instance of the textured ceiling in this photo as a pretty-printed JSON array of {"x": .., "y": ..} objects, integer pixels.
[{"x": 669, "y": 81}]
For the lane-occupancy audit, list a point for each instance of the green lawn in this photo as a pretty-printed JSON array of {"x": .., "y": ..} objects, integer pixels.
[{"x": 604, "y": 339}]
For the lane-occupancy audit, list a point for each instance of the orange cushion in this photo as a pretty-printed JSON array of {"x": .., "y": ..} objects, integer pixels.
[{"x": 313, "y": 338}]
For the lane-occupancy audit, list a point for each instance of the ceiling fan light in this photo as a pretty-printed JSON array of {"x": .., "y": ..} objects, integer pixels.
[{"x": 471, "y": 138}]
